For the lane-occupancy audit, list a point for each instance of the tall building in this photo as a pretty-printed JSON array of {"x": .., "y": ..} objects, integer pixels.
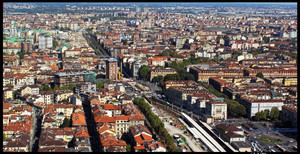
[
  {"x": 111, "y": 69},
  {"x": 26, "y": 46},
  {"x": 45, "y": 41},
  {"x": 49, "y": 42},
  {"x": 293, "y": 34}
]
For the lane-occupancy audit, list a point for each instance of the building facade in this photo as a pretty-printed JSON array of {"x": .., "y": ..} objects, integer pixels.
[{"x": 111, "y": 69}]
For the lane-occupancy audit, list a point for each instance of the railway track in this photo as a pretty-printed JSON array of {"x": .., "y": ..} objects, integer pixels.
[{"x": 100, "y": 52}]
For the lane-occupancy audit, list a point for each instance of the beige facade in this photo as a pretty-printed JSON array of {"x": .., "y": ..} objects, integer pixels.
[
  {"x": 218, "y": 110},
  {"x": 7, "y": 94},
  {"x": 67, "y": 110},
  {"x": 163, "y": 72},
  {"x": 122, "y": 126}
]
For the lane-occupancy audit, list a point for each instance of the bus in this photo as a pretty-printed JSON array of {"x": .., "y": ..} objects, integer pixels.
[{"x": 246, "y": 132}]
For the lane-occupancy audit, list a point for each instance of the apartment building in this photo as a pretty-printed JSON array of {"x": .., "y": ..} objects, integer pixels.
[
  {"x": 67, "y": 78},
  {"x": 163, "y": 72},
  {"x": 204, "y": 75}
]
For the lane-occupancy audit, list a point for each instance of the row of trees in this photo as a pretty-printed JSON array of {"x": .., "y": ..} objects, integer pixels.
[
  {"x": 100, "y": 84},
  {"x": 267, "y": 114},
  {"x": 234, "y": 108},
  {"x": 157, "y": 124},
  {"x": 260, "y": 75},
  {"x": 168, "y": 53},
  {"x": 144, "y": 71},
  {"x": 64, "y": 29},
  {"x": 160, "y": 79},
  {"x": 69, "y": 87},
  {"x": 21, "y": 54}
]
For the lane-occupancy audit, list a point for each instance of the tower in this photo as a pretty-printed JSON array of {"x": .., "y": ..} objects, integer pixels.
[{"x": 111, "y": 69}]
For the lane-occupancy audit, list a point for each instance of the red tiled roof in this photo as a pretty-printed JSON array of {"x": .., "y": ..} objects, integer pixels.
[
  {"x": 106, "y": 119},
  {"x": 6, "y": 105},
  {"x": 78, "y": 118},
  {"x": 110, "y": 107},
  {"x": 104, "y": 129},
  {"x": 157, "y": 59},
  {"x": 49, "y": 109},
  {"x": 82, "y": 132},
  {"x": 141, "y": 147},
  {"x": 108, "y": 140}
]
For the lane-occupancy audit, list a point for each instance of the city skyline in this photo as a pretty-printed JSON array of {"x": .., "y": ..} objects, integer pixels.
[{"x": 150, "y": 77}]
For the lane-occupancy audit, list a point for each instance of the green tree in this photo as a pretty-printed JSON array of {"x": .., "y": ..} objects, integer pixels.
[
  {"x": 278, "y": 122},
  {"x": 260, "y": 116},
  {"x": 173, "y": 54},
  {"x": 241, "y": 110},
  {"x": 171, "y": 77},
  {"x": 15, "y": 94},
  {"x": 267, "y": 112},
  {"x": 158, "y": 66},
  {"x": 166, "y": 52},
  {"x": 144, "y": 71},
  {"x": 46, "y": 88},
  {"x": 256, "y": 52},
  {"x": 260, "y": 75},
  {"x": 21, "y": 54},
  {"x": 56, "y": 87},
  {"x": 4, "y": 136},
  {"x": 232, "y": 109},
  {"x": 72, "y": 87},
  {"x": 158, "y": 79},
  {"x": 55, "y": 44},
  {"x": 100, "y": 85},
  {"x": 124, "y": 41},
  {"x": 226, "y": 38},
  {"x": 128, "y": 148},
  {"x": 236, "y": 53},
  {"x": 156, "y": 124},
  {"x": 266, "y": 39},
  {"x": 89, "y": 29},
  {"x": 274, "y": 113},
  {"x": 189, "y": 77}
]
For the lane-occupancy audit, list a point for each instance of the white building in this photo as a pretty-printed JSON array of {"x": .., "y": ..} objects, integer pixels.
[
  {"x": 244, "y": 56},
  {"x": 283, "y": 34},
  {"x": 216, "y": 109},
  {"x": 45, "y": 42},
  {"x": 253, "y": 105},
  {"x": 75, "y": 99},
  {"x": 293, "y": 34}
]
